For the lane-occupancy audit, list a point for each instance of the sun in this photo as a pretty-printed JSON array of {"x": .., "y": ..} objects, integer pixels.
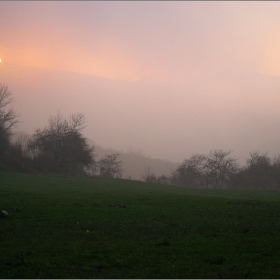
[{"x": 0, "y": 60}]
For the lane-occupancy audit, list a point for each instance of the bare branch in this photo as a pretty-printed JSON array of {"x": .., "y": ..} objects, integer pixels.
[
  {"x": 76, "y": 122},
  {"x": 8, "y": 117},
  {"x": 5, "y": 96}
]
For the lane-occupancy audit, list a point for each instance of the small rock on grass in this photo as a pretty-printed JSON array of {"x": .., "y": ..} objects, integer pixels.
[{"x": 4, "y": 214}]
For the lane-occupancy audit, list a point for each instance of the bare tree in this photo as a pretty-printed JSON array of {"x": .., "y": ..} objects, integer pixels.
[
  {"x": 8, "y": 119},
  {"x": 258, "y": 172},
  {"x": 110, "y": 166},
  {"x": 19, "y": 154},
  {"x": 212, "y": 171},
  {"x": 219, "y": 167},
  {"x": 60, "y": 146},
  {"x": 190, "y": 172},
  {"x": 149, "y": 176}
]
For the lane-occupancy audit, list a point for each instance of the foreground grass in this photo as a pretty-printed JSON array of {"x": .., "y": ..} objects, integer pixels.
[{"x": 62, "y": 227}]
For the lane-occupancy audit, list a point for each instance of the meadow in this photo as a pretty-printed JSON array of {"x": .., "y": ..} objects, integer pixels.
[{"x": 64, "y": 227}]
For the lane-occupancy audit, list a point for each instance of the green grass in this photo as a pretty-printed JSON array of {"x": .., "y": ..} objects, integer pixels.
[{"x": 61, "y": 227}]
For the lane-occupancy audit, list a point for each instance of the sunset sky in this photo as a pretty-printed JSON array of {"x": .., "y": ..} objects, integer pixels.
[
  {"x": 167, "y": 46},
  {"x": 142, "y": 40}
]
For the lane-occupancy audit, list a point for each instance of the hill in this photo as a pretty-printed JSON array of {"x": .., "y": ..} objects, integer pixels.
[
  {"x": 231, "y": 111},
  {"x": 134, "y": 163}
]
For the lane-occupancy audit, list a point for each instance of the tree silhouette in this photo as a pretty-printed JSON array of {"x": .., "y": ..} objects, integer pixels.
[
  {"x": 60, "y": 147},
  {"x": 8, "y": 119},
  {"x": 110, "y": 166}
]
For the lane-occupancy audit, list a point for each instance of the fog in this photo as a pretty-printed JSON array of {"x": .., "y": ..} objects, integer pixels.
[
  {"x": 164, "y": 121},
  {"x": 170, "y": 79}
]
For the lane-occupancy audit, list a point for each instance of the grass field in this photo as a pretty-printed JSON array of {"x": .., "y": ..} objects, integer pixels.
[{"x": 61, "y": 227}]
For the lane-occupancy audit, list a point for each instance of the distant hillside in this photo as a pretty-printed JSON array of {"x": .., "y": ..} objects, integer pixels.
[
  {"x": 230, "y": 111},
  {"x": 135, "y": 164}
]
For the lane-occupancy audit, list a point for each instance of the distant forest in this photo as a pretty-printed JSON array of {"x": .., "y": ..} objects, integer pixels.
[{"x": 61, "y": 148}]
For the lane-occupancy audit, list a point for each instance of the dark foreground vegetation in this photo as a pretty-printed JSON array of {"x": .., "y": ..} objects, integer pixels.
[{"x": 66, "y": 227}]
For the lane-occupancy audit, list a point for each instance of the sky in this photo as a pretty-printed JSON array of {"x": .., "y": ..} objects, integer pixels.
[
  {"x": 176, "y": 73},
  {"x": 142, "y": 40}
]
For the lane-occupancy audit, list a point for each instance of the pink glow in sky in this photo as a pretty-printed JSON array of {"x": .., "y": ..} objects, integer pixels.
[
  {"x": 142, "y": 40},
  {"x": 187, "y": 76}
]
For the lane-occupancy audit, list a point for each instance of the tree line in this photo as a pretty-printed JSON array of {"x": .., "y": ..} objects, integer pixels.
[
  {"x": 220, "y": 170},
  {"x": 60, "y": 147}
]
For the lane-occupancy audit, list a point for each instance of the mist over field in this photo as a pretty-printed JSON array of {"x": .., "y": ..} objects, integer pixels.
[{"x": 160, "y": 120}]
